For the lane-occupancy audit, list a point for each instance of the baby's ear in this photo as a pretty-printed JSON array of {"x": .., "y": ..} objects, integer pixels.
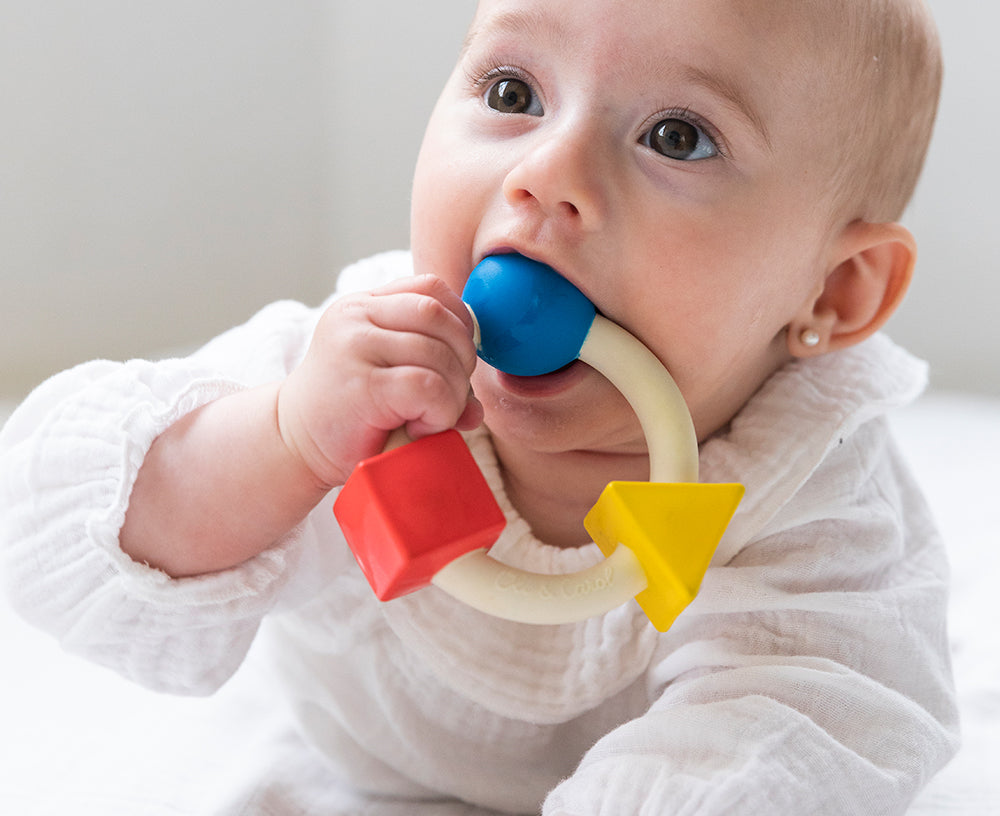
[{"x": 870, "y": 271}]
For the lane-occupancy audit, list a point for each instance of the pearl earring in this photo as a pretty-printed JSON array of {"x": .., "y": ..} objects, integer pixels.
[{"x": 809, "y": 338}]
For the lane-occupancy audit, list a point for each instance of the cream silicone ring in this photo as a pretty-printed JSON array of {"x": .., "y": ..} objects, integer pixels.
[
  {"x": 628, "y": 571},
  {"x": 484, "y": 583}
]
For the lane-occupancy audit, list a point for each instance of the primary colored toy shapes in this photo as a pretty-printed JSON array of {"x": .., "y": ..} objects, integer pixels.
[{"x": 422, "y": 513}]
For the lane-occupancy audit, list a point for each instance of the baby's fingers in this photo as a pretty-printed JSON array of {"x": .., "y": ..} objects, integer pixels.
[
  {"x": 421, "y": 399},
  {"x": 408, "y": 369},
  {"x": 399, "y": 356},
  {"x": 425, "y": 305}
]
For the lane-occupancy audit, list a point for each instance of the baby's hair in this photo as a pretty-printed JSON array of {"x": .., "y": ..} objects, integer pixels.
[{"x": 890, "y": 59}]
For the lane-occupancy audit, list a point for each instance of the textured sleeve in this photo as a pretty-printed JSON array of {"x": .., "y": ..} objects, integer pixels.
[
  {"x": 810, "y": 676},
  {"x": 69, "y": 457}
]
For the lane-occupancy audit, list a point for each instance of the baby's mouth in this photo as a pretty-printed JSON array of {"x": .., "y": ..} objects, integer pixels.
[
  {"x": 542, "y": 385},
  {"x": 530, "y": 320}
]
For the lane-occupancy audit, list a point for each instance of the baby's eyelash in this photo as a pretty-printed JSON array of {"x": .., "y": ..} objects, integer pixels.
[{"x": 482, "y": 75}]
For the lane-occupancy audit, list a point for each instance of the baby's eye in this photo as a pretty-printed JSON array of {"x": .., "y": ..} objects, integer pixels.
[
  {"x": 513, "y": 96},
  {"x": 680, "y": 139}
]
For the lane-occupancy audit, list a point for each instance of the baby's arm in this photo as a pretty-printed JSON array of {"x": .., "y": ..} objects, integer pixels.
[
  {"x": 811, "y": 674},
  {"x": 769, "y": 734},
  {"x": 230, "y": 479},
  {"x": 69, "y": 459}
]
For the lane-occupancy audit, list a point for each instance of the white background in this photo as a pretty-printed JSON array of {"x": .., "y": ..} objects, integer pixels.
[{"x": 168, "y": 168}]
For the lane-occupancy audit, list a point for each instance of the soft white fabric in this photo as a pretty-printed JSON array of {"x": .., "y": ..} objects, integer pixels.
[{"x": 810, "y": 675}]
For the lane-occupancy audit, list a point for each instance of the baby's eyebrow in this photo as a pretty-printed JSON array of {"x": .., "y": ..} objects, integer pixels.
[
  {"x": 520, "y": 23},
  {"x": 733, "y": 94}
]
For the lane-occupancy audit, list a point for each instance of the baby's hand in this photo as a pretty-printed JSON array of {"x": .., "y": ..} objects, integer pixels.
[{"x": 399, "y": 355}]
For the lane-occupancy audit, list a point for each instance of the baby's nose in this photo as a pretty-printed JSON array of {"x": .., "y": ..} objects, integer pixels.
[{"x": 566, "y": 173}]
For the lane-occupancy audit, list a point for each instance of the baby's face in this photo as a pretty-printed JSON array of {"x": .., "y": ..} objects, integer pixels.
[{"x": 664, "y": 161}]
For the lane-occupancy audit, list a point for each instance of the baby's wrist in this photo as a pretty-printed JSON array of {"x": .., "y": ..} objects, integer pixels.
[{"x": 304, "y": 459}]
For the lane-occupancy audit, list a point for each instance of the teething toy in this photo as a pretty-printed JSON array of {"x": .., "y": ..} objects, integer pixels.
[{"x": 422, "y": 513}]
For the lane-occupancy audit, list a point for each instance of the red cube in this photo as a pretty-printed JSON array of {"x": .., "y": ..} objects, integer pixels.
[{"x": 410, "y": 511}]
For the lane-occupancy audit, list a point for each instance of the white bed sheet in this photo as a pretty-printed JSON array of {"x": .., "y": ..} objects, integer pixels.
[{"x": 72, "y": 733}]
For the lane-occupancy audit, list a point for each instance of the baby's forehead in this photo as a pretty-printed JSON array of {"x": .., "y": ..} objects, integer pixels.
[
  {"x": 814, "y": 25},
  {"x": 771, "y": 44}
]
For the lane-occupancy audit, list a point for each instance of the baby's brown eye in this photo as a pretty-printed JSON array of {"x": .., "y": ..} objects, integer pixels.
[
  {"x": 678, "y": 139},
  {"x": 512, "y": 96}
]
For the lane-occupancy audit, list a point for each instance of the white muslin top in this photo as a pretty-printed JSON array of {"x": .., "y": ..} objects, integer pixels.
[{"x": 810, "y": 675}]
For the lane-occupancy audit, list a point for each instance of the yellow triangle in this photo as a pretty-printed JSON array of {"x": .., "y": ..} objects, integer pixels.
[{"x": 673, "y": 529}]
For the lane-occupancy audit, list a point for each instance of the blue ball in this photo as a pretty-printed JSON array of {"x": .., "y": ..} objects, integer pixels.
[{"x": 531, "y": 319}]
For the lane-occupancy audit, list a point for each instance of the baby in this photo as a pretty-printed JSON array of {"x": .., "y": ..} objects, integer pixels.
[{"x": 721, "y": 179}]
